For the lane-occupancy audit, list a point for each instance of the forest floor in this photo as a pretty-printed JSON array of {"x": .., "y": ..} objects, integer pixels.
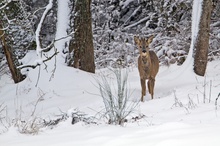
[{"x": 184, "y": 111}]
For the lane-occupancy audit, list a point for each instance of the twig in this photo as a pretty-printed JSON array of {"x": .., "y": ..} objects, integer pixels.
[
  {"x": 204, "y": 93},
  {"x": 179, "y": 103},
  {"x": 38, "y": 77},
  {"x": 38, "y": 100},
  {"x": 216, "y": 101},
  {"x": 210, "y": 91},
  {"x": 55, "y": 67},
  {"x": 34, "y": 66},
  {"x": 68, "y": 35}
]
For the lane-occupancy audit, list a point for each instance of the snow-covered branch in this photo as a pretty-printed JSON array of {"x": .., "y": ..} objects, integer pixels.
[
  {"x": 135, "y": 24},
  {"x": 39, "y": 49},
  {"x": 6, "y": 2},
  {"x": 38, "y": 63},
  {"x": 2, "y": 7}
]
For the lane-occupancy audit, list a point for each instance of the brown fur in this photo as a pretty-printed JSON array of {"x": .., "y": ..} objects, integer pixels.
[{"x": 148, "y": 65}]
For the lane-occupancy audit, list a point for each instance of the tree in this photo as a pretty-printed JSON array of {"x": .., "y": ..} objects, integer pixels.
[
  {"x": 83, "y": 56},
  {"x": 202, "y": 42},
  {"x": 6, "y": 40},
  {"x": 11, "y": 58}
]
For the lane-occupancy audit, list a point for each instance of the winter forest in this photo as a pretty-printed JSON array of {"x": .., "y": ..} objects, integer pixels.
[{"x": 109, "y": 72}]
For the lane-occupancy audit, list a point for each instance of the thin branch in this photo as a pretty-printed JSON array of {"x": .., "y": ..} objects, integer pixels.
[
  {"x": 36, "y": 11},
  {"x": 38, "y": 77},
  {"x": 216, "y": 101},
  {"x": 49, "y": 47},
  {"x": 3, "y": 29},
  {"x": 4, "y": 5},
  {"x": 55, "y": 67},
  {"x": 210, "y": 91},
  {"x": 35, "y": 105},
  {"x": 68, "y": 35},
  {"x": 34, "y": 66}
]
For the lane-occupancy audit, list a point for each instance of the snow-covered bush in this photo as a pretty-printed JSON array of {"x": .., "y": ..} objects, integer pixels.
[{"x": 116, "y": 97}]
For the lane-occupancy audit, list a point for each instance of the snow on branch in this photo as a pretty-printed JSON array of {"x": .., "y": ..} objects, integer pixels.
[
  {"x": 136, "y": 23},
  {"x": 39, "y": 49},
  {"x": 6, "y": 2},
  {"x": 2, "y": 7},
  {"x": 39, "y": 62}
]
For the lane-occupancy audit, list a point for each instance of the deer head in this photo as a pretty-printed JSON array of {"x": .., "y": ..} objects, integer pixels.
[{"x": 143, "y": 47}]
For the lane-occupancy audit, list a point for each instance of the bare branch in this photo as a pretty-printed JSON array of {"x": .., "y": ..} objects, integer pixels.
[
  {"x": 216, "y": 101},
  {"x": 34, "y": 66}
]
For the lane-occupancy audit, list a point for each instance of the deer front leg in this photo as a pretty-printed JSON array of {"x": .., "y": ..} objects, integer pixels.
[
  {"x": 150, "y": 84},
  {"x": 143, "y": 87}
]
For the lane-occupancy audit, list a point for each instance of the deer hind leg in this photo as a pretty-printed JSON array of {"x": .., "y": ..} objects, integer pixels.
[
  {"x": 150, "y": 84},
  {"x": 143, "y": 86}
]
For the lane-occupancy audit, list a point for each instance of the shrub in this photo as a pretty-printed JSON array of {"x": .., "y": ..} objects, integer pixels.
[{"x": 116, "y": 99}]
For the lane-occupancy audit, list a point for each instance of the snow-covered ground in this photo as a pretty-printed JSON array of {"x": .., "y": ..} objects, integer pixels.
[{"x": 185, "y": 120}]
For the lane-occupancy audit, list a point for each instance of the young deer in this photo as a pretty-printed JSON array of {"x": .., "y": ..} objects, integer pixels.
[{"x": 148, "y": 65}]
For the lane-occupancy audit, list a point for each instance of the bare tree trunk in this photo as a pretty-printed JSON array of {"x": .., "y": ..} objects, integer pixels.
[
  {"x": 83, "y": 41},
  {"x": 15, "y": 72},
  {"x": 202, "y": 42}
]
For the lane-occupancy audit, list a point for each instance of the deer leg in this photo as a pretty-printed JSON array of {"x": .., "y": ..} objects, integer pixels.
[
  {"x": 143, "y": 86},
  {"x": 150, "y": 84}
]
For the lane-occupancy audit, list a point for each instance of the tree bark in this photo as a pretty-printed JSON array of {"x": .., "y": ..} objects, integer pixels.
[
  {"x": 11, "y": 59},
  {"x": 202, "y": 42},
  {"x": 83, "y": 41}
]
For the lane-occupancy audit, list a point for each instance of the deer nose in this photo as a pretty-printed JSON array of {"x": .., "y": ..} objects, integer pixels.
[{"x": 144, "y": 51}]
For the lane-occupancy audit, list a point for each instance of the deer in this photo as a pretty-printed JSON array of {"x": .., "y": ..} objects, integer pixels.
[{"x": 148, "y": 65}]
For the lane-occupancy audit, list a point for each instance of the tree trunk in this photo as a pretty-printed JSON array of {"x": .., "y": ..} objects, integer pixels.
[
  {"x": 83, "y": 41},
  {"x": 15, "y": 72},
  {"x": 202, "y": 42}
]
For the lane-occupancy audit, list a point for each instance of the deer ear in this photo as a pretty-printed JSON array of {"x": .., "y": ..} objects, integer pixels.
[
  {"x": 150, "y": 39},
  {"x": 136, "y": 40}
]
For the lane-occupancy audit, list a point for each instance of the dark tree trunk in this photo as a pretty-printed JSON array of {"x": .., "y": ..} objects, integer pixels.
[
  {"x": 202, "y": 42},
  {"x": 11, "y": 58},
  {"x": 83, "y": 41}
]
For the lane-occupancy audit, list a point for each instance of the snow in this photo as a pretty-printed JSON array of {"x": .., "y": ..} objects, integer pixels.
[
  {"x": 47, "y": 9},
  {"x": 196, "y": 14},
  {"x": 165, "y": 123},
  {"x": 103, "y": 135},
  {"x": 177, "y": 116},
  {"x": 62, "y": 25},
  {"x": 186, "y": 70}
]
